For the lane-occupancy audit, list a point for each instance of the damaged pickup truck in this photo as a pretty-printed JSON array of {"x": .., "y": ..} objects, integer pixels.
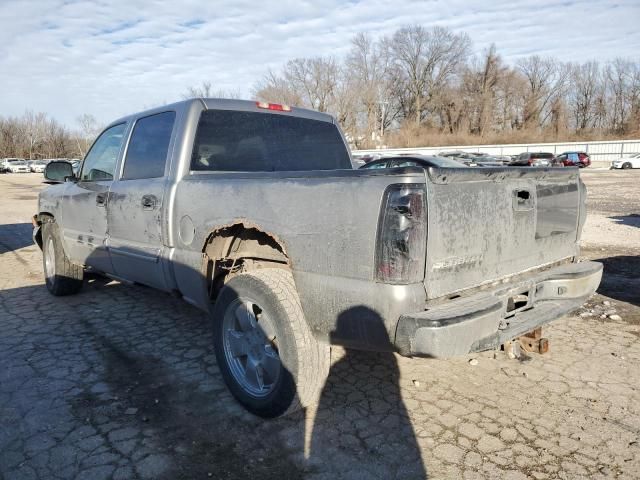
[{"x": 252, "y": 212}]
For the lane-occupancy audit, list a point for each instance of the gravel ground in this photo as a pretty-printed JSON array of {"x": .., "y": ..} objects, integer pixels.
[{"x": 121, "y": 382}]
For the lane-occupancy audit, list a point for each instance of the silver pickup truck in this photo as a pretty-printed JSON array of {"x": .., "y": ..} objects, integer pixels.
[{"x": 253, "y": 212}]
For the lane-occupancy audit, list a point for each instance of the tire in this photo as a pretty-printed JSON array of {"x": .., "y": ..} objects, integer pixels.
[
  {"x": 257, "y": 317},
  {"x": 626, "y": 165},
  {"x": 62, "y": 277}
]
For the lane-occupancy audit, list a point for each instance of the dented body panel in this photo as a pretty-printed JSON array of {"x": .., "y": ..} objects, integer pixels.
[{"x": 491, "y": 234}]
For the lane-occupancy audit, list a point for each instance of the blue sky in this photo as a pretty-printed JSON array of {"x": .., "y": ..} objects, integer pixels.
[{"x": 110, "y": 58}]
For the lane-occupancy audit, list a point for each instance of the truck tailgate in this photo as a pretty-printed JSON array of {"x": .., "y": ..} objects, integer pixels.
[{"x": 487, "y": 224}]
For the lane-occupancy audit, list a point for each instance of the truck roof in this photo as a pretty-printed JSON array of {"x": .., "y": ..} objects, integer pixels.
[{"x": 231, "y": 104}]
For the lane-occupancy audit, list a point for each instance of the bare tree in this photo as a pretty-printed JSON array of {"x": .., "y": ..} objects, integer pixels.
[
  {"x": 10, "y": 136},
  {"x": 55, "y": 140},
  {"x": 32, "y": 127},
  {"x": 585, "y": 82},
  {"x": 309, "y": 82},
  {"x": 89, "y": 129},
  {"x": 427, "y": 59},
  {"x": 480, "y": 81},
  {"x": 547, "y": 79},
  {"x": 205, "y": 90},
  {"x": 617, "y": 73},
  {"x": 369, "y": 72},
  {"x": 276, "y": 89}
]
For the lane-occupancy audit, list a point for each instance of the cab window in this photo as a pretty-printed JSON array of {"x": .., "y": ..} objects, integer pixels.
[
  {"x": 100, "y": 162},
  {"x": 147, "y": 152}
]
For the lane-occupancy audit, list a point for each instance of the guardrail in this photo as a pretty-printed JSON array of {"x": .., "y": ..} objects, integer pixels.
[{"x": 601, "y": 153}]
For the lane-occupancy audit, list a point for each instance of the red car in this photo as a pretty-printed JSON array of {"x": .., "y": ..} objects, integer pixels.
[{"x": 572, "y": 159}]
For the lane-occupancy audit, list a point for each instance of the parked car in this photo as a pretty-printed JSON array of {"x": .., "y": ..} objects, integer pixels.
[
  {"x": 37, "y": 166},
  {"x": 253, "y": 212},
  {"x": 489, "y": 161},
  {"x": 413, "y": 161},
  {"x": 573, "y": 159},
  {"x": 504, "y": 159},
  {"x": 75, "y": 164},
  {"x": 468, "y": 159},
  {"x": 533, "y": 159},
  {"x": 16, "y": 165},
  {"x": 632, "y": 161}
]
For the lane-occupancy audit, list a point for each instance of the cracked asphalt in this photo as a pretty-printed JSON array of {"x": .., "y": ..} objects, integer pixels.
[{"x": 121, "y": 382}]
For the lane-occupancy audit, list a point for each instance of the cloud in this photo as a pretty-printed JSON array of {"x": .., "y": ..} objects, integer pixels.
[{"x": 110, "y": 58}]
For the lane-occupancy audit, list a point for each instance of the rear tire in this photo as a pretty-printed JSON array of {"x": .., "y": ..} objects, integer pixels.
[
  {"x": 626, "y": 165},
  {"x": 62, "y": 277},
  {"x": 258, "y": 321}
]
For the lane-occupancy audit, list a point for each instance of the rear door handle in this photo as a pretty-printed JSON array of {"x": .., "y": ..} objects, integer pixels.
[
  {"x": 149, "y": 202},
  {"x": 101, "y": 199}
]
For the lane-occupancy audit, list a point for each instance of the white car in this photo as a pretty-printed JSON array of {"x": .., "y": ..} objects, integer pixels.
[
  {"x": 16, "y": 165},
  {"x": 37, "y": 166},
  {"x": 632, "y": 161}
]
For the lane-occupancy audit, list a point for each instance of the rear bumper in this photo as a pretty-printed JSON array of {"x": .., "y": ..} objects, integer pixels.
[{"x": 483, "y": 322}]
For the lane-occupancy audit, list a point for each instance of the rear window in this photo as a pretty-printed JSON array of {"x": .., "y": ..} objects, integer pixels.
[
  {"x": 228, "y": 140},
  {"x": 542, "y": 155}
]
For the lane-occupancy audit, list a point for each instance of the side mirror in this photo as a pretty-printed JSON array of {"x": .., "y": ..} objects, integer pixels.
[{"x": 58, "y": 171}]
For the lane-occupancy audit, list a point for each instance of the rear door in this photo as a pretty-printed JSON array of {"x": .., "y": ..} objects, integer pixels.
[
  {"x": 487, "y": 224},
  {"x": 135, "y": 209}
]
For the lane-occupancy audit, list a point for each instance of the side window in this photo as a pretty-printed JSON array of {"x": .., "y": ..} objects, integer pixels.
[
  {"x": 148, "y": 147},
  {"x": 100, "y": 162}
]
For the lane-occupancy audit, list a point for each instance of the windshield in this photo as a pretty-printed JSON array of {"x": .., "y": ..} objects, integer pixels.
[{"x": 229, "y": 140}]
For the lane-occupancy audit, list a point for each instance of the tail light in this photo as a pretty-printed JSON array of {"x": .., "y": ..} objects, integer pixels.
[
  {"x": 402, "y": 240},
  {"x": 530, "y": 162}
]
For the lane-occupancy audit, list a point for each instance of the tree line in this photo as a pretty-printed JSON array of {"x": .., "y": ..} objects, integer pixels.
[
  {"x": 36, "y": 136},
  {"x": 423, "y": 86},
  {"x": 417, "y": 87}
]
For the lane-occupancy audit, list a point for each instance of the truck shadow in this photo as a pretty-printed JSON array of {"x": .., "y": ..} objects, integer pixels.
[
  {"x": 14, "y": 236},
  {"x": 134, "y": 371},
  {"x": 621, "y": 278},
  {"x": 632, "y": 220},
  {"x": 362, "y": 428}
]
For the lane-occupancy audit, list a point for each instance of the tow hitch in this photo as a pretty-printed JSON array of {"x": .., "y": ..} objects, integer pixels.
[
  {"x": 531, "y": 342},
  {"x": 534, "y": 342}
]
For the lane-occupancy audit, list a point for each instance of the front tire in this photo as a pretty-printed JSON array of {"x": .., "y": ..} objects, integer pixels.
[
  {"x": 626, "y": 165},
  {"x": 62, "y": 277},
  {"x": 268, "y": 357}
]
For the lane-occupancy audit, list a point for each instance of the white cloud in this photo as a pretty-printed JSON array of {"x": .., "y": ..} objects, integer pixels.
[{"x": 115, "y": 57}]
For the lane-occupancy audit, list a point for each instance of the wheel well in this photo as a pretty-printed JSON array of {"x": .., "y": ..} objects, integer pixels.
[
  {"x": 42, "y": 217},
  {"x": 239, "y": 248}
]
